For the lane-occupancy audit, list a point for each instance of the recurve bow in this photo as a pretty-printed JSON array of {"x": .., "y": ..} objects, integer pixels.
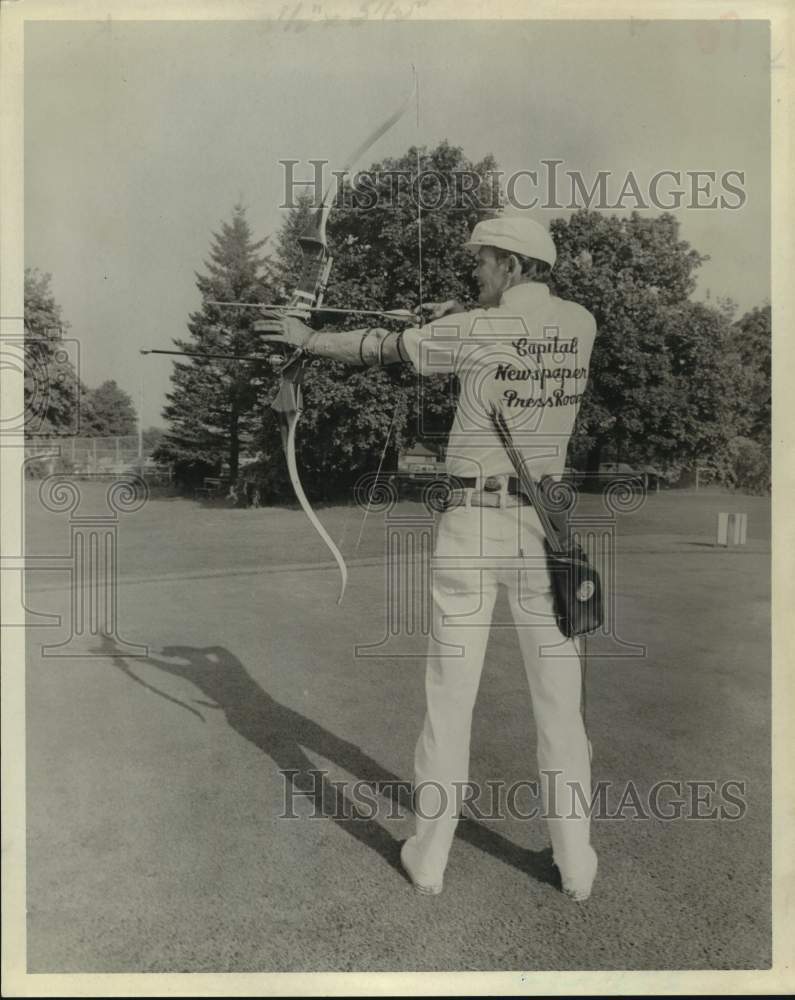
[{"x": 308, "y": 296}]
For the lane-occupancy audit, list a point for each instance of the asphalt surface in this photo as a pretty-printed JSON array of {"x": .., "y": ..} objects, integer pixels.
[{"x": 156, "y": 782}]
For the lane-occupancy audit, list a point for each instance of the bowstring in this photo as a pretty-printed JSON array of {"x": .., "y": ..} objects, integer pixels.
[
  {"x": 420, "y": 314},
  {"x": 326, "y": 207},
  {"x": 419, "y": 200}
]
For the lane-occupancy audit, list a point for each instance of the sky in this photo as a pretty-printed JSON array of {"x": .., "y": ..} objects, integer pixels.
[{"x": 140, "y": 137}]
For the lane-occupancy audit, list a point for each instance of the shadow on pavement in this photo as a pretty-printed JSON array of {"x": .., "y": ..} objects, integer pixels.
[{"x": 282, "y": 733}]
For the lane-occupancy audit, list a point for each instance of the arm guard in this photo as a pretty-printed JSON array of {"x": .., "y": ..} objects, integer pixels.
[{"x": 358, "y": 347}]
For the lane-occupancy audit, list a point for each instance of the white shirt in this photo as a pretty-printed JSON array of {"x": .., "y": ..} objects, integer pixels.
[{"x": 529, "y": 356}]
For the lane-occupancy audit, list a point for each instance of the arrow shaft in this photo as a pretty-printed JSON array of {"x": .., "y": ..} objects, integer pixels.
[
  {"x": 405, "y": 314},
  {"x": 201, "y": 354}
]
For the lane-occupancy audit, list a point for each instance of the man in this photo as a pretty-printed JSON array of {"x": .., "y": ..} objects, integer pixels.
[{"x": 527, "y": 353}]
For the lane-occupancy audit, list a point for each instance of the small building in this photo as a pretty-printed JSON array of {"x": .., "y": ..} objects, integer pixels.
[{"x": 420, "y": 462}]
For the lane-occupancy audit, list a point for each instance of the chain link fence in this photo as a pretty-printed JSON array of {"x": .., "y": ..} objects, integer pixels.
[{"x": 92, "y": 456}]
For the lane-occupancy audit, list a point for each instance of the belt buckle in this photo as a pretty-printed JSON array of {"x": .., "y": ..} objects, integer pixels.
[{"x": 493, "y": 484}]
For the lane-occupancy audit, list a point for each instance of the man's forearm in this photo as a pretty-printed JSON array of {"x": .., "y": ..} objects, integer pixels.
[{"x": 359, "y": 347}]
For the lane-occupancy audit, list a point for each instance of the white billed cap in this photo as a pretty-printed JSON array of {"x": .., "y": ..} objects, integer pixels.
[{"x": 515, "y": 234}]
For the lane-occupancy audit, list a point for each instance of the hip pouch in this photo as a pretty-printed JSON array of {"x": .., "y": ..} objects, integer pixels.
[
  {"x": 576, "y": 587},
  {"x": 576, "y": 590}
]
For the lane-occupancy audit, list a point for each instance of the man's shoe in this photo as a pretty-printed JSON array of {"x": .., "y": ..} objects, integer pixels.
[
  {"x": 578, "y": 886},
  {"x": 426, "y": 887}
]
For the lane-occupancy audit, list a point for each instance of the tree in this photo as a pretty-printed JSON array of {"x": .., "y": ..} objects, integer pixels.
[
  {"x": 748, "y": 466},
  {"x": 109, "y": 412},
  {"x": 750, "y": 342},
  {"x": 212, "y": 408},
  {"x": 696, "y": 417},
  {"x": 351, "y": 413},
  {"x": 53, "y": 391},
  {"x": 151, "y": 438},
  {"x": 647, "y": 394}
]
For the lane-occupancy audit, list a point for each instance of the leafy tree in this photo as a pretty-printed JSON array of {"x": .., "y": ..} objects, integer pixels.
[
  {"x": 53, "y": 390},
  {"x": 697, "y": 417},
  {"x": 212, "y": 408},
  {"x": 109, "y": 412},
  {"x": 655, "y": 382},
  {"x": 748, "y": 466},
  {"x": 751, "y": 346},
  {"x": 151, "y": 437},
  {"x": 373, "y": 233}
]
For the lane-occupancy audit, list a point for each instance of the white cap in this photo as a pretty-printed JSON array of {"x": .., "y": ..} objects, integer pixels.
[{"x": 515, "y": 234}]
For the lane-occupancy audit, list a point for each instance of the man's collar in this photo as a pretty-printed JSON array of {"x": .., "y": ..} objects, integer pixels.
[{"x": 526, "y": 293}]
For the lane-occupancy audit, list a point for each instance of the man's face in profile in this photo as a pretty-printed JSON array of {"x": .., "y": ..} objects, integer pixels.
[{"x": 491, "y": 275}]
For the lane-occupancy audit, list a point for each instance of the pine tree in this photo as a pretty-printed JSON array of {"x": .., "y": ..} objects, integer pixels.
[
  {"x": 53, "y": 391},
  {"x": 213, "y": 407}
]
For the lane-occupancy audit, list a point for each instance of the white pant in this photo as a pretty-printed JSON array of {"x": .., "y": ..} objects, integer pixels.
[{"x": 477, "y": 549}]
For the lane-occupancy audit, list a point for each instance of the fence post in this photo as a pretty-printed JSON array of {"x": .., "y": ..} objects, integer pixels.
[{"x": 732, "y": 529}]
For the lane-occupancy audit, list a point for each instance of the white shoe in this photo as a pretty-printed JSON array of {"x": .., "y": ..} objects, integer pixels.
[
  {"x": 426, "y": 887},
  {"x": 577, "y": 886}
]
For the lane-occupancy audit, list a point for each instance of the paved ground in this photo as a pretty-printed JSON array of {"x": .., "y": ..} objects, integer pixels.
[{"x": 154, "y": 784}]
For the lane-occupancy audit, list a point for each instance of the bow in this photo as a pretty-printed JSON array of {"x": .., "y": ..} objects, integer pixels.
[{"x": 308, "y": 297}]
